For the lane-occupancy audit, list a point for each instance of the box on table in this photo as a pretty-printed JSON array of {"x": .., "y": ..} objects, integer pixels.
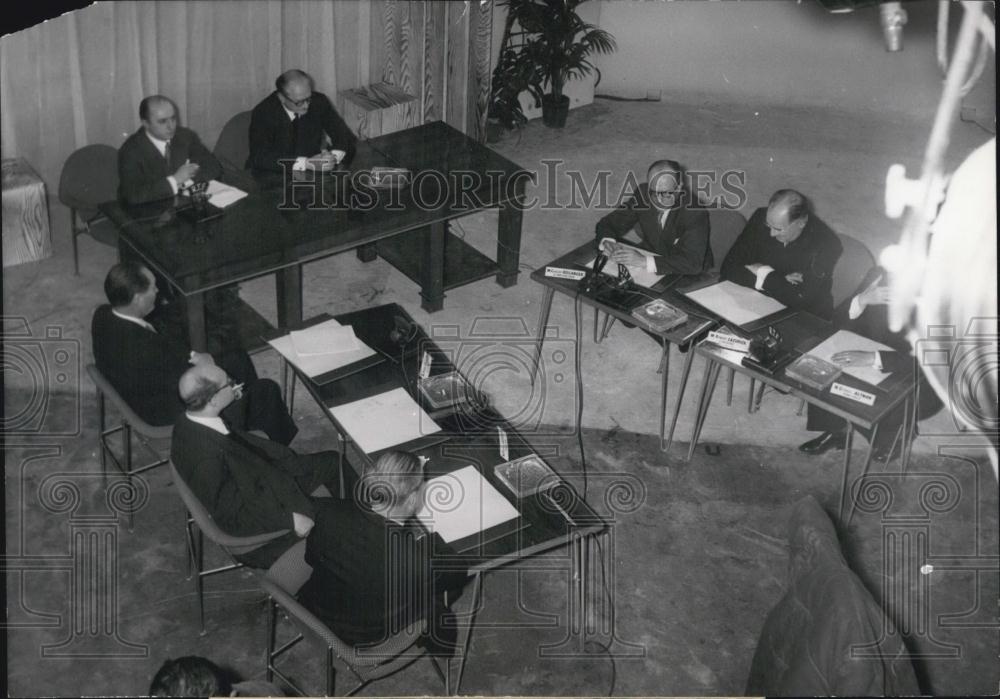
[{"x": 377, "y": 109}]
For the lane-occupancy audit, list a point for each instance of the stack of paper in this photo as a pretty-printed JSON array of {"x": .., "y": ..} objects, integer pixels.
[
  {"x": 737, "y": 304},
  {"x": 222, "y": 195},
  {"x": 463, "y": 503},
  {"x": 322, "y": 348},
  {"x": 384, "y": 420},
  {"x": 844, "y": 340}
]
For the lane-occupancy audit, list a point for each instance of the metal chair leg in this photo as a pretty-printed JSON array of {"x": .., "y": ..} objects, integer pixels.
[
  {"x": 802, "y": 406},
  {"x": 760, "y": 395},
  {"x": 729, "y": 386},
  {"x": 272, "y": 624},
  {"x": 750, "y": 396}
]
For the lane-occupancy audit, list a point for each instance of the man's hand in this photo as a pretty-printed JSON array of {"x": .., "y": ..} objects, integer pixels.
[
  {"x": 324, "y": 160},
  {"x": 794, "y": 278},
  {"x": 852, "y": 358},
  {"x": 185, "y": 172},
  {"x": 627, "y": 256},
  {"x": 201, "y": 359},
  {"x": 608, "y": 246},
  {"x": 303, "y": 525},
  {"x": 754, "y": 268}
]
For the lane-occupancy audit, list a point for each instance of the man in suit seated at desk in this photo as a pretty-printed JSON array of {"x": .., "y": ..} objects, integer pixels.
[
  {"x": 144, "y": 362},
  {"x": 786, "y": 253},
  {"x": 384, "y": 572},
  {"x": 250, "y": 485},
  {"x": 670, "y": 225},
  {"x": 866, "y": 314},
  {"x": 295, "y": 121},
  {"x": 161, "y": 158}
]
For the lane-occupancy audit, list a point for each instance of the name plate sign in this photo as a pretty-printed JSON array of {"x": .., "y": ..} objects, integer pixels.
[{"x": 839, "y": 389}]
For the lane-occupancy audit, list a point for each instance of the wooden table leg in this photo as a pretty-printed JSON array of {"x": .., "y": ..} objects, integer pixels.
[
  {"x": 665, "y": 371},
  {"x": 509, "y": 244},
  {"x": 368, "y": 253},
  {"x": 543, "y": 319},
  {"x": 432, "y": 268},
  {"x": 197, "y": 332},
  {"x": 707, "y": 388},
  {"x": 848, "y": 444},
  {"x": 288, "y": 284},
  {"x": 680, "y": 396}
]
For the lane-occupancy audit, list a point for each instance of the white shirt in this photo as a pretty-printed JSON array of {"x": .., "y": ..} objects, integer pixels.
[
  {"x": 162, "y": 147},
  {"x": 132, "y": 319},
  {"x": 213, "y": 423},
  {"x": 289, "y": 112}
]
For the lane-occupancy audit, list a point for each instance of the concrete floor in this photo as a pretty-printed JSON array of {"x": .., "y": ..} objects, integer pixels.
[{"x": 715, "y": 527}]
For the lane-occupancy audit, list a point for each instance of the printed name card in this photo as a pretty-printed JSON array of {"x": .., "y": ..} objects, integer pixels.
[
  {"x": 563, "y": 273},
  {"x": 839, "y": 389},
  {"x": 728, "y": 341}
]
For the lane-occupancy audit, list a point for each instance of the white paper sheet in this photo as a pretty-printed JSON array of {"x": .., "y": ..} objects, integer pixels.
[
  {"x": 463, "y": 503},
  {"x": 313, "y": 365},
  {"x": 844, "y": 340},
  {"x": 641, "y": 276},
  {"x": 325, "y": 338},
  {"x": 384, "y": 420},
  {"x": 737, "y": 304},
  {"x": 222, "y": 195}
]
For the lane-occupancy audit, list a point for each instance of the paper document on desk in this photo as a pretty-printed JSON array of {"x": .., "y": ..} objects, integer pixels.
[
  {"x": 313, "y": 365},
  {"x": 463, "y": 503},
  {"x": 640, "y": 274},
  {"x": 844, "y": 340},
  {"x": 222, "y": 195},
  {"x": 384, "y": 420},
  {"x": 325, "y": 338},
  {"x": 737, "y": 304}
]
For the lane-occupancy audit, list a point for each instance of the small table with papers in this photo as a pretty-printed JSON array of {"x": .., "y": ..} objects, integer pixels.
[{"x": 464, "y": 445}]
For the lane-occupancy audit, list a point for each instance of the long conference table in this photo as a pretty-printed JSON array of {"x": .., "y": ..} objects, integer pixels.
[
  {"x": 287, "y": 223},
  {"x": 470, "y": 434}
]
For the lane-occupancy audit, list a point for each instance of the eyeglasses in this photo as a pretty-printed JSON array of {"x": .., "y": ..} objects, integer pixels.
[
  {"x": 231, "y": 383},
  {"x": 297, "y": 103},
  {"x": 663, "y": 194}
]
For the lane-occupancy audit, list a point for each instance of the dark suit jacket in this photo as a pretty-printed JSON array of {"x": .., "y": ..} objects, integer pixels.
[
  {"x": 272, "y": 136},
  {"x": 681, "y": 248},
  {"x": 370, "y": 574},
  {"x": 814, "y": 254},
  {"x": 143, "y": 366},
  {"x": 247, "y": 491},
  {"x": 142, "y": 171}
]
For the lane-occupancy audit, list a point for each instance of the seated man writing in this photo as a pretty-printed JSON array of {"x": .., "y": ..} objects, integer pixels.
[
  {"x": 866, "y": 314},
  {"x": 250, "y": 485},
  {"x": 786, "y": 253},
  {"x": 161, "y": 158},
  {"x": 387, "y": 572},
  {"x": 144, "y": 362},
  {"x": 671, "y": 227},
  {"x": 294, "y": 122}
]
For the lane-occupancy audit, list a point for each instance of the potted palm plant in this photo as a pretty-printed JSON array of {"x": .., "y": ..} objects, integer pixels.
[{"x": 558, "y": 45}]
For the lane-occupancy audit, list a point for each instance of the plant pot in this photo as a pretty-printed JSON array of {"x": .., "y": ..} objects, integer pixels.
[
  {"x": 494, "y": 130},
  {"x": 554, "y": 110}
]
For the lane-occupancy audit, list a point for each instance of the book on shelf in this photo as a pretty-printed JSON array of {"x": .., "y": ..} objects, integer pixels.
[
  {"x": 813, "y": 371},
  {"x": 659, "y": 315}
]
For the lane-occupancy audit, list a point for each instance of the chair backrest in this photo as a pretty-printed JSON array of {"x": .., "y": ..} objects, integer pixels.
[
  {"x": 851, "y": 268},
  {"x": 89, "y": 177},
  {"x": 235, "y": 545},
  {"x": 130, "y": 416},
  {"x": 726, "y": 226},
  {"x": 233, "y": 145}
]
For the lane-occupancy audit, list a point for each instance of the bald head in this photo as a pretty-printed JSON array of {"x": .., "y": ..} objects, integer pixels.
[
  {"x": 159, "y": 116},
  {"x": 787, "y": 215},
  {"x": 201, "y": 387},
  {"x": 294, "y": 89}
]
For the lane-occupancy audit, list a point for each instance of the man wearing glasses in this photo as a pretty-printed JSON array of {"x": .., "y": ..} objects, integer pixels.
[
  {"x": 673, "y": 230},
  {"x": 296, "y": 122}
]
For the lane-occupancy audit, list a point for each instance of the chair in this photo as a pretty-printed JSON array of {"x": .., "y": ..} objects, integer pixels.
[
  {"x": 129, "y": 421},
  {"x": 282, "y": 582},
  {"x": 89, "y": 177},
  {"x": 232, "y": 545},
  {"x": 233, "y": 145}
]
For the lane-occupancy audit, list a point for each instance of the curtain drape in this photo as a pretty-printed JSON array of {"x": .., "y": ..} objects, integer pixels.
[{"x": 78, "y": 79}]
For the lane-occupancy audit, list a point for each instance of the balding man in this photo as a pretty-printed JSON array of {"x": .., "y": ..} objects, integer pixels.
[
  {"x": 161, "y": 158},
  {"x": 250, "y": 485},
  {"x": 295, "y": 121},
  {"x": 673, "y": 230},
  {"x": 786, "y": 253}
]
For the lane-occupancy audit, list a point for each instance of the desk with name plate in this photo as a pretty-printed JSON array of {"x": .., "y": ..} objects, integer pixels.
[
  {"x": 453, "y": 438},
  {"x": 619, "y": 306},
  {"x": 276, "y": 230},
  {"x": 801, "y": 332}
]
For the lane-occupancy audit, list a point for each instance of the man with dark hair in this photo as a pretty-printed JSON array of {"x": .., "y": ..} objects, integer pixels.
[
  {"x": 161, "y": 158},
  {"x": 249, "y": 485},
  {"x": 672, "y": 228},
  {"x": 787, "y": 253},
  {"x": 195, "y": 676},
  {"x": 144, "y": 363},
  {"x": 294, "y": 121}
]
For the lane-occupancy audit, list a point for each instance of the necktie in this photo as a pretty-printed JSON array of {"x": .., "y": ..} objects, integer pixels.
[
  {"x": 295, "y": 132},
  {"x": 166, "y": 152}
]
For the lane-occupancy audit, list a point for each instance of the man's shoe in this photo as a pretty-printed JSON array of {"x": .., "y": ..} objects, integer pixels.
[{"x": 824, "y": 443}]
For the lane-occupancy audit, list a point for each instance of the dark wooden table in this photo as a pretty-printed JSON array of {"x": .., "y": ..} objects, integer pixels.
[
  {"x": 556, "y": 518},
  {"x": 283, "y": 225}
]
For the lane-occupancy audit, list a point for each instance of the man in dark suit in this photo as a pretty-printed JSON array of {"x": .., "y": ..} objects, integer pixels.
[
  {"x": 293, "y": 122},
  {"x": 673, "y": 229},
  {"x": 249, "y": 485},
  {"x": 866, "y": 314},
  {"x": 144, "y": 362},
  {"x": 161, "y": 158},
  {"x": 787, "y": 253}
]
